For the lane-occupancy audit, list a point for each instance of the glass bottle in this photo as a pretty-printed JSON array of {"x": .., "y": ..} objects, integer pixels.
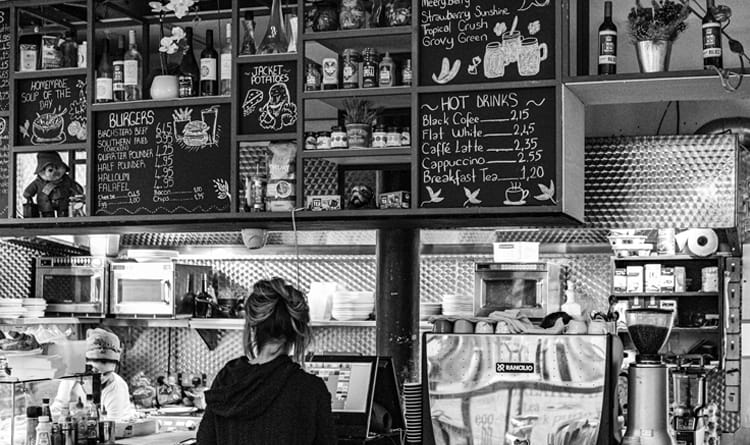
[
  {"x": 104, "y": 76},
  {"x": 133, "y": 70},
  {"x": 118, "y": 70},
  {"x": 189, "y": 72},
  {"x": 248, "y": 41},
  {"x": 370, "y": 68},
  {"x": 407, "y": 73},
  {"x": 607, "y": 42},
  {"x": 203, "y": 300},
  {"x": 69, "y": 49},
  {"x": 385, "y": 76},
  {"x": 209, "y": 83},
  {"x": 225, "y": 85},
  {"x": 712, "y": 55},
  {"x": 312, "y": 78},
  {"x": 275, "y": 40}
]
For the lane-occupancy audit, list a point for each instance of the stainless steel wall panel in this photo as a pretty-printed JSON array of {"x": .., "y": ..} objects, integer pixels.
[{"x": 16, "y": 267}]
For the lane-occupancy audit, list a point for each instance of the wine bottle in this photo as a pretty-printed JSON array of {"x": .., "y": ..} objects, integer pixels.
[
  {"x": 133, "y": 70},
  {"x": 275, "y": 40},
  {"x": 209, "y": 85},
  {"x": 226, "y": 63},
  {"x": 712, "y": 54},
  {"x": 118, "y": 70},
  {"x": 203, "y": 300},
  {"x": 607, "y": 42},
  {"x": 104, "y": 76},
  {"x": 189, "y": 71},
  {"x": 248, "y": 41}
]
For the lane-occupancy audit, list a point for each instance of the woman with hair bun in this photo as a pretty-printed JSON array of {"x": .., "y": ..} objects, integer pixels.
[{"x": 265, "y": 397}]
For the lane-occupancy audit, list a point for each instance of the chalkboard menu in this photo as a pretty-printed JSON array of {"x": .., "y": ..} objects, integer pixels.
[
  {"x": 493, "y": 148},
  {"x": 162, "y": 161},
  {"x": 4, "y": 59},
  {"x": 473, "y": 41},
  {"x": 51, "y": 111},
  {"x": 4, "y": 171},
  {"x": 268, "y": 93}
]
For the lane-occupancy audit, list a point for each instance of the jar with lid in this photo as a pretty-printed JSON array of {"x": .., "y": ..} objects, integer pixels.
[
  {"x": 379, "y": 137},
  {"x": 324, "y": 140},
  {"x": 312, "y": 78},
  {"x": 393, "y": 137},
  {"x": 405, "y": 137},
  {"x": 406, "y": 73},
  {"x": 350, "y": 68},
  {"x": 311, "y": 141},
  {"x": 352, "y": 14},
  {"x": 370, "y": 63},
  {"x": 338, "y": 137}
]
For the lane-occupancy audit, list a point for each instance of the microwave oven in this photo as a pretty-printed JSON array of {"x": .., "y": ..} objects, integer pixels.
[
  {"x": 534, "y": 289},
  {"x": 156, "y": 289},
  {"x": 72, "y": 285}
]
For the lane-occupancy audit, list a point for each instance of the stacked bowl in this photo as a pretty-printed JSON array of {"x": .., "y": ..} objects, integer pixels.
[
  {"x": 427, "y": 310},
  {"x": 35, "y": 307},
  {"x": 352, "y": 305},
  {"x": 413, "y": 412},
  {"x": 11, "y": 308},
  {"x": 458, "y": 305}
]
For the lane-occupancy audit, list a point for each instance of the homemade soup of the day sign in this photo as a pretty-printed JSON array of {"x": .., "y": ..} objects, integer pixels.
[
  {"x": 163, "y": 161},
  {"x": 475, "y": 41},
  {"x": 51, "y": 111}
]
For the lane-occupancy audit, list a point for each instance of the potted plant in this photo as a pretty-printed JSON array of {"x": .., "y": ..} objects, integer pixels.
[
  {"x": 166, "y": 85},
  {"x": 653, "y": 29},
  {"x": 358, "y": 118}
]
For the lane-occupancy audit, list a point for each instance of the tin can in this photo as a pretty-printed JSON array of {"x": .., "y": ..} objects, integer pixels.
[
  {"x": 330, "y": 73},
  {"x": 351, "y": 60},
  {"x": 338, "y": 137}
]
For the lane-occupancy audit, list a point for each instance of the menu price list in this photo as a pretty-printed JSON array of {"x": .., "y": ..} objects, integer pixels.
[
  {"x": 492, "y": 148},
  {"x": 4, "y": 60},
  {"x": 4, "y": 171},
  {"x": 476, "y": 41},
  {"x": 163, "y": 161}
]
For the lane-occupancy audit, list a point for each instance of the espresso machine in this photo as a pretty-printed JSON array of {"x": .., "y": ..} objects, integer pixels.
[
  {"x": 689, "y": 390},
  {"x": 648, "y": 390}
]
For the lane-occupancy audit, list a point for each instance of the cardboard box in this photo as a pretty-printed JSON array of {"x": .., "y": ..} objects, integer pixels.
[
  {"x": 652, "y": 277},
  {"x": 141, "y": 427},
  {"x": 318, "y": 203},
  {"x": 635, "y": 279},
  {"x": 620, "y": 280},
  {"x": 521, "y": 252},
  {"x": 667, "y": 279},
  {"x": 394, "y": 200}
]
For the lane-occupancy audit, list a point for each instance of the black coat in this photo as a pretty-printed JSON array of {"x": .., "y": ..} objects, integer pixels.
[{"x": 274, "y": 403}]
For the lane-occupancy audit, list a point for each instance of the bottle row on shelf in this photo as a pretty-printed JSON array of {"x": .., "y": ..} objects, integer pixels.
[{"x": 355, "y": 69}]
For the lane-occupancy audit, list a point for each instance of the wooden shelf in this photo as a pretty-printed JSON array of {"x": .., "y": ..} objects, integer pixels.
[
  {"x": 145, "y": 104},
  {"x": 657, "y": 258},
  {"x": 264, "y": 58},
  {"x": 266, "y": 137},
  {"x": 392, "y": 97},
  {"x": 239, "y": 323},
  {"x": 665, "y": 294},
  {"x": 362, "y": 156},
  {"x": 395, "y": 39},
  {"x": 707, "y": 330},
  {"x": 696, "y": 85},
  {"x": 57, "y": 147},
  {"x": 50, "y": 74},
  {"x": 47, "y": 321},
  {"x": 146, "y": 322}
]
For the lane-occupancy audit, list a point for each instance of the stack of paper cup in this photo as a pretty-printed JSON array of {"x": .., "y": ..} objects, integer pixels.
[{"x": 413, "y": 412}]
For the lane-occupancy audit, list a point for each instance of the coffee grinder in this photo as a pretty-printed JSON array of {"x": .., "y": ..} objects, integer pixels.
[
  {"x": 689, "y": 389},
  {"x": 648, "y": 390}
]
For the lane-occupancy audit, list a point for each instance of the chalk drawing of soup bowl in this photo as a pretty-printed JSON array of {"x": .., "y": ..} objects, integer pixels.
[{"x": 47, "y": 128}]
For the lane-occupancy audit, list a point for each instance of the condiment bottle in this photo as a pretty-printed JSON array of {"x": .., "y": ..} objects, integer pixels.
[
  {"x": 379, "y": 137},
  {"x": 330, "y": 79},
  {"x": 407, "y": 73},
  {"x": 312, "y": 78},
  {"x": 386, "y": 71},
  {"x": 338, "y": 137},
  {"x": 43, "y": 431},
  {"x": 393, "y": 137},
  {"x": 370, "y": 68},
  {"x": 32, "y": 420}
]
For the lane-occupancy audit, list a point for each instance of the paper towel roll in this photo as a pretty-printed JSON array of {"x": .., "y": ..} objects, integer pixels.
[{"x": 702, "y": 242}]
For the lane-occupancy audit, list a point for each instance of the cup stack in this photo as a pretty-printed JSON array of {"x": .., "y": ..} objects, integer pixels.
[
  {"x": 413, "y": 412},
  {"x": 35, "y": 307},
  {"x": 11, "y": 308}
]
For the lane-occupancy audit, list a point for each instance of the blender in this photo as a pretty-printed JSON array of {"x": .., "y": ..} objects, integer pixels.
[
  {"x": 648, "y": 390},
  {"x": 689, "y": 389}
]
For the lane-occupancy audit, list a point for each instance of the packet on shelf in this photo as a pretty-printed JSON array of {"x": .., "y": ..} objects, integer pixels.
[{"x": 323, "y": 202}]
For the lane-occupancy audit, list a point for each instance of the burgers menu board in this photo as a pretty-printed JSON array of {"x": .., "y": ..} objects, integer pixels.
[
  {"x": 4, "y": 172},
  {"x": 493, "y": 148},
  {"x": 268, "y": 93},
  {"x": 473, "y": 41},
  {"x": 51, "y": 111},
  {"x": 162, "y": 161},
  {"x": 4, "y": 59}
]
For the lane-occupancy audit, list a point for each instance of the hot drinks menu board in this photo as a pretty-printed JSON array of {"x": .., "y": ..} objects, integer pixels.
[
  {"x": 474, "y": 41},
  {"x": 162, "y": 161},
  {"x": 4, "y": 59},
  {"x": 268, "y": 93},
  {"x": 51, "y": 111},
  {"x": 492, "y": 148},
  {"x": 4, "y": 171}
]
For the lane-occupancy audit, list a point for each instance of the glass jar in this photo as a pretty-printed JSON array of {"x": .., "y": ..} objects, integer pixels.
[
  {"x": 405, "y": 137},
  {"x": 311, "y": 141},
  {"x": 370, "y": 63},
  {"x": 393, "y": 137},
  {"x": 325, "y": 17},
  {"x": 350, "y": 68},
  {"x": 379, "y": 137},
  {"x": 338, "y": 137},
  {"x": 352, "y": 14},
  {"x": 398, "y": 12},
  {"x": 324, "y": 140},
  {"x": 312, "y": 78}
]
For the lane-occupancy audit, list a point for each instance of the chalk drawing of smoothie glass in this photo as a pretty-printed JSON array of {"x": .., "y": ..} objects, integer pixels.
[
  {"x": 515, "y": 194},
  {"x": 494, "y": 60},
  {"x": 531, "y": 56},
  {"x": 512, "y": 46}
]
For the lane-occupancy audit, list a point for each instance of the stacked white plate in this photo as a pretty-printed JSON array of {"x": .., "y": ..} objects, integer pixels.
[
  {"x": 413, "y": 412},
  {"x": 35, "y": 307},
  {"x": 11, "y": 308},
  {"x": 458, "y": 305},
  {"x": 352, "y": 305},
  {"x": 426, "y": 310}
]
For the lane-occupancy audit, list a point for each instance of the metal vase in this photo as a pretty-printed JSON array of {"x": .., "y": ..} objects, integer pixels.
[{"x": 653, "y": 55}]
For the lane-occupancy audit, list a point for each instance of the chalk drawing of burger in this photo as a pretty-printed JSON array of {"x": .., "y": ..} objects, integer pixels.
[{"x": 195, "y": 134}]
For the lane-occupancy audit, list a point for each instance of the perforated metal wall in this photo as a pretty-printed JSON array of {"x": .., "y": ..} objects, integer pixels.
[{"x": 16, "y": 270}]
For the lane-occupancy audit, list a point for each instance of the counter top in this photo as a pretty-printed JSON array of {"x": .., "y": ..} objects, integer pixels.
[{"x": 171, "y": 438}]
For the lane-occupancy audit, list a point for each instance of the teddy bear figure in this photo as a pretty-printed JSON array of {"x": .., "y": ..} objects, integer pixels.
[{"x": 53, "y": 187}]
